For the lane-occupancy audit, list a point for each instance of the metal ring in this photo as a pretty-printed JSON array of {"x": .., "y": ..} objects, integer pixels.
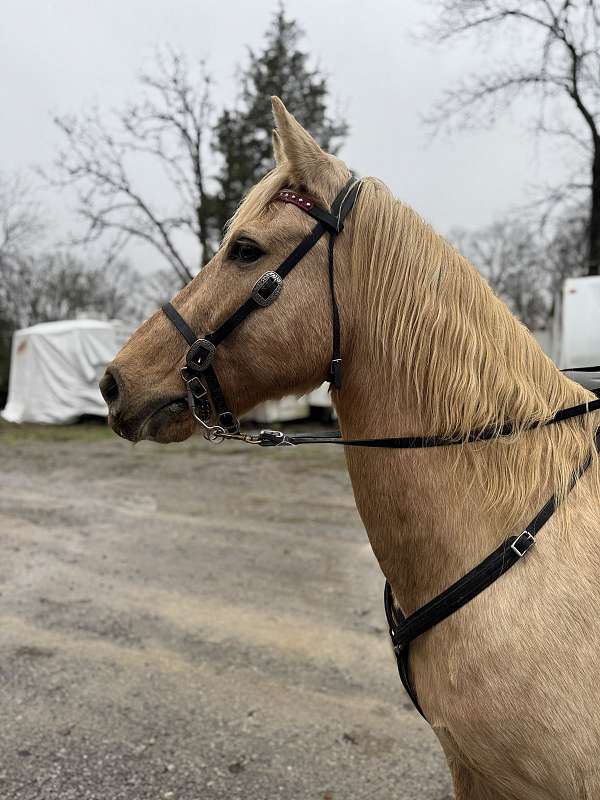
[{"x": 215, "y": 434}]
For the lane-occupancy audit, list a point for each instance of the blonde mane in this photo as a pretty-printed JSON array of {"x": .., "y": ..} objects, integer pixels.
[{"x": 469, "y": 362}]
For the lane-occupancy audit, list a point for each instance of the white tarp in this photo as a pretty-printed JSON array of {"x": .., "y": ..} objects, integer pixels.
[{"x": 55, "y": 368}]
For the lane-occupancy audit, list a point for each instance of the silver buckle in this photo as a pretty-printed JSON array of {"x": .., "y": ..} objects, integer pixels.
[
  {"x": 522, "y": 543},
  {"x": 200, "y": 355},
  {"x": 267, "y": 289}
]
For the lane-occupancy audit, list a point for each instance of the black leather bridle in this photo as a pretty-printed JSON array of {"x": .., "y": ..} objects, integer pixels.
[
  {"x": 205, "y": 396},
  {"x": 206, "y": 400}
]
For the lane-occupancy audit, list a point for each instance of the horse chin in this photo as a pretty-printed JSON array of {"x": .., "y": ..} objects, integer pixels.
[{"x": 170, "y": 423}]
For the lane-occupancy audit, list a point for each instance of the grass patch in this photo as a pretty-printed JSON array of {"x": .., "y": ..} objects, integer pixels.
[{"x": 87, "y": 431}]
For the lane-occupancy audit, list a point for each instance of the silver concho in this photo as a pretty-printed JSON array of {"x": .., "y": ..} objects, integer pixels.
[
  {"x": 200, "y": 355},
  {"x": 271, "y": 281}
]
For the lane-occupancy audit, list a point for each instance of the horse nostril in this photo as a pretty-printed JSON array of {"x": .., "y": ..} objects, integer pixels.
[{"x": 109, "y": 388}]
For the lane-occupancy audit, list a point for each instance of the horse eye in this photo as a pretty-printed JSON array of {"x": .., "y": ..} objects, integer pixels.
[{"x": 245, "y": 251}]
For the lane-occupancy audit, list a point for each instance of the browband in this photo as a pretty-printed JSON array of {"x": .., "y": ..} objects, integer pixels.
[{"x": 310, "y": 207}]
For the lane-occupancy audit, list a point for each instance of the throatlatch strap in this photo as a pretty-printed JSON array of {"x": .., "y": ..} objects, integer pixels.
[
  {"x": 403, "y": 630},
  {"x": 335, "y": 372}
]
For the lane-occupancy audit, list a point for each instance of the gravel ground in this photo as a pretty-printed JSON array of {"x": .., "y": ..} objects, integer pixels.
[{"x": 192, "y": 622}]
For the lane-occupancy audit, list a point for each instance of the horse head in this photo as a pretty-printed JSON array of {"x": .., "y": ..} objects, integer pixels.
[{"x": 285, "y": 348}]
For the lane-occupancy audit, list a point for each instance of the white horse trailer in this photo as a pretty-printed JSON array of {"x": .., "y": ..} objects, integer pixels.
[{"x": 574, "y": 340}]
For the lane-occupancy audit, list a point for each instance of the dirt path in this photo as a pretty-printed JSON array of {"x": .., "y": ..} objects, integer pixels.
[{"x": 191, "y": 623}]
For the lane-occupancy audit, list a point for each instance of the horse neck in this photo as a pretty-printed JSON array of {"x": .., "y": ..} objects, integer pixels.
[{"x": 428, "y": 513}]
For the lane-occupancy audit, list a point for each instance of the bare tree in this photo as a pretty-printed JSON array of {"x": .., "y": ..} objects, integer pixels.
[
  {"x": 512, "y": 257},
  {"x": 21, "y": 231},
  {"x": 107, "y": 158},
  {"x": 555, "y": 58},
  {"x": 40, "y": 284},
  {"x": 566, "y": 254},
  {"x": 21, "y": 224},
  {"x": 54, "y": 286}
]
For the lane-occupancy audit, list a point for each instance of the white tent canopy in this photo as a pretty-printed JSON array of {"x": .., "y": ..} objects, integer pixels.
[{"x": 55, "y": 368}]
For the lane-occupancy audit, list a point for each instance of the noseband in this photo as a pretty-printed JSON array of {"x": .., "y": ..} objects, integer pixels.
[{"x": 205, "y": 396}]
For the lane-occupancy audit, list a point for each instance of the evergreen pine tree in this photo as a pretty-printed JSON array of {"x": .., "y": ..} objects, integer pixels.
[{"x": 243, "y": 134}]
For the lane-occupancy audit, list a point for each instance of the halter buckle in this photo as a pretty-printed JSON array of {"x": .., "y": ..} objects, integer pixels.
[
  {"x": 229, "y": 422},
  {"x": 522, "y": 543},
  {"x": 200, "y": 355},
  {"x": 197, "y": 396},
  {"x": 267, "y": 288}
]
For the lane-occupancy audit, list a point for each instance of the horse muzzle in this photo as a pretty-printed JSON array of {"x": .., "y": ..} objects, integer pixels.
[{"x": 162, "y": 418}]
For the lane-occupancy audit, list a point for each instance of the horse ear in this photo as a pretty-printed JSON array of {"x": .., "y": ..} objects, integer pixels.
[
  {"x": 305, "y": 157},
  {"x": 278, "y": 152}
]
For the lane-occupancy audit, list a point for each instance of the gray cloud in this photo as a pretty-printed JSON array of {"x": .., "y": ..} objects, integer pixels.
[{"x": 64, "y": 55}]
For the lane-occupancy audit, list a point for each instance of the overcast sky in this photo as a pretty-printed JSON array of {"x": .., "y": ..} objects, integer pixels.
[{"x": 64, "y": 55}]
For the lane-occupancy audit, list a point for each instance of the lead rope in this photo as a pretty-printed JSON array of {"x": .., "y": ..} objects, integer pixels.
[{"x": 272, "y": 438}]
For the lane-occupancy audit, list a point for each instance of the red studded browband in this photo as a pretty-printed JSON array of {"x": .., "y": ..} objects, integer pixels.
[
  {"x": 308, "y": 205},
  {"x": 288, "y": 196}
]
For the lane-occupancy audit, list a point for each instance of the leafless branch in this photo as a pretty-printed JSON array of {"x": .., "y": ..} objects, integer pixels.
[
  {"x": 21, "y": 225},
  {"x": 556, "y": 60},
  {"x": 106, "y": 158}
]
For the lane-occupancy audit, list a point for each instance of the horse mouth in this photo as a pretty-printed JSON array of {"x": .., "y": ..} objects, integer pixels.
[
  {"x": 170, "y": 421},
  {"x": 164, "y": 424}
]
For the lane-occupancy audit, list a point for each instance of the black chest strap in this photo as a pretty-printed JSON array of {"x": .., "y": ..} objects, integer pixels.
[{"x": 403, "y": 630}]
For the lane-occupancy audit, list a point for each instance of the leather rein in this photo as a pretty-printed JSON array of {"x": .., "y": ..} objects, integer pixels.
[{"x": 209, "y": 407}]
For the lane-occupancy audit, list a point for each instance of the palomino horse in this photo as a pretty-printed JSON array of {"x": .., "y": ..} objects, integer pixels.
[{"x": 510, "y": 682}]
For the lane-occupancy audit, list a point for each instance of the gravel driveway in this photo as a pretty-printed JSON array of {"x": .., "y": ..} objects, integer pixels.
[{"x": 192, "y": 622}]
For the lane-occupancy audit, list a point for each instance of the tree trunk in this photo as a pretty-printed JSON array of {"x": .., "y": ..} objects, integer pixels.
[{"x": 594, "y": 230}]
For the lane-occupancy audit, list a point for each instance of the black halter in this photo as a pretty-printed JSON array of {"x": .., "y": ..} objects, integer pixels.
[
  {"x": 206, "y": 399},
  {"x": 205, "y": 396}
]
